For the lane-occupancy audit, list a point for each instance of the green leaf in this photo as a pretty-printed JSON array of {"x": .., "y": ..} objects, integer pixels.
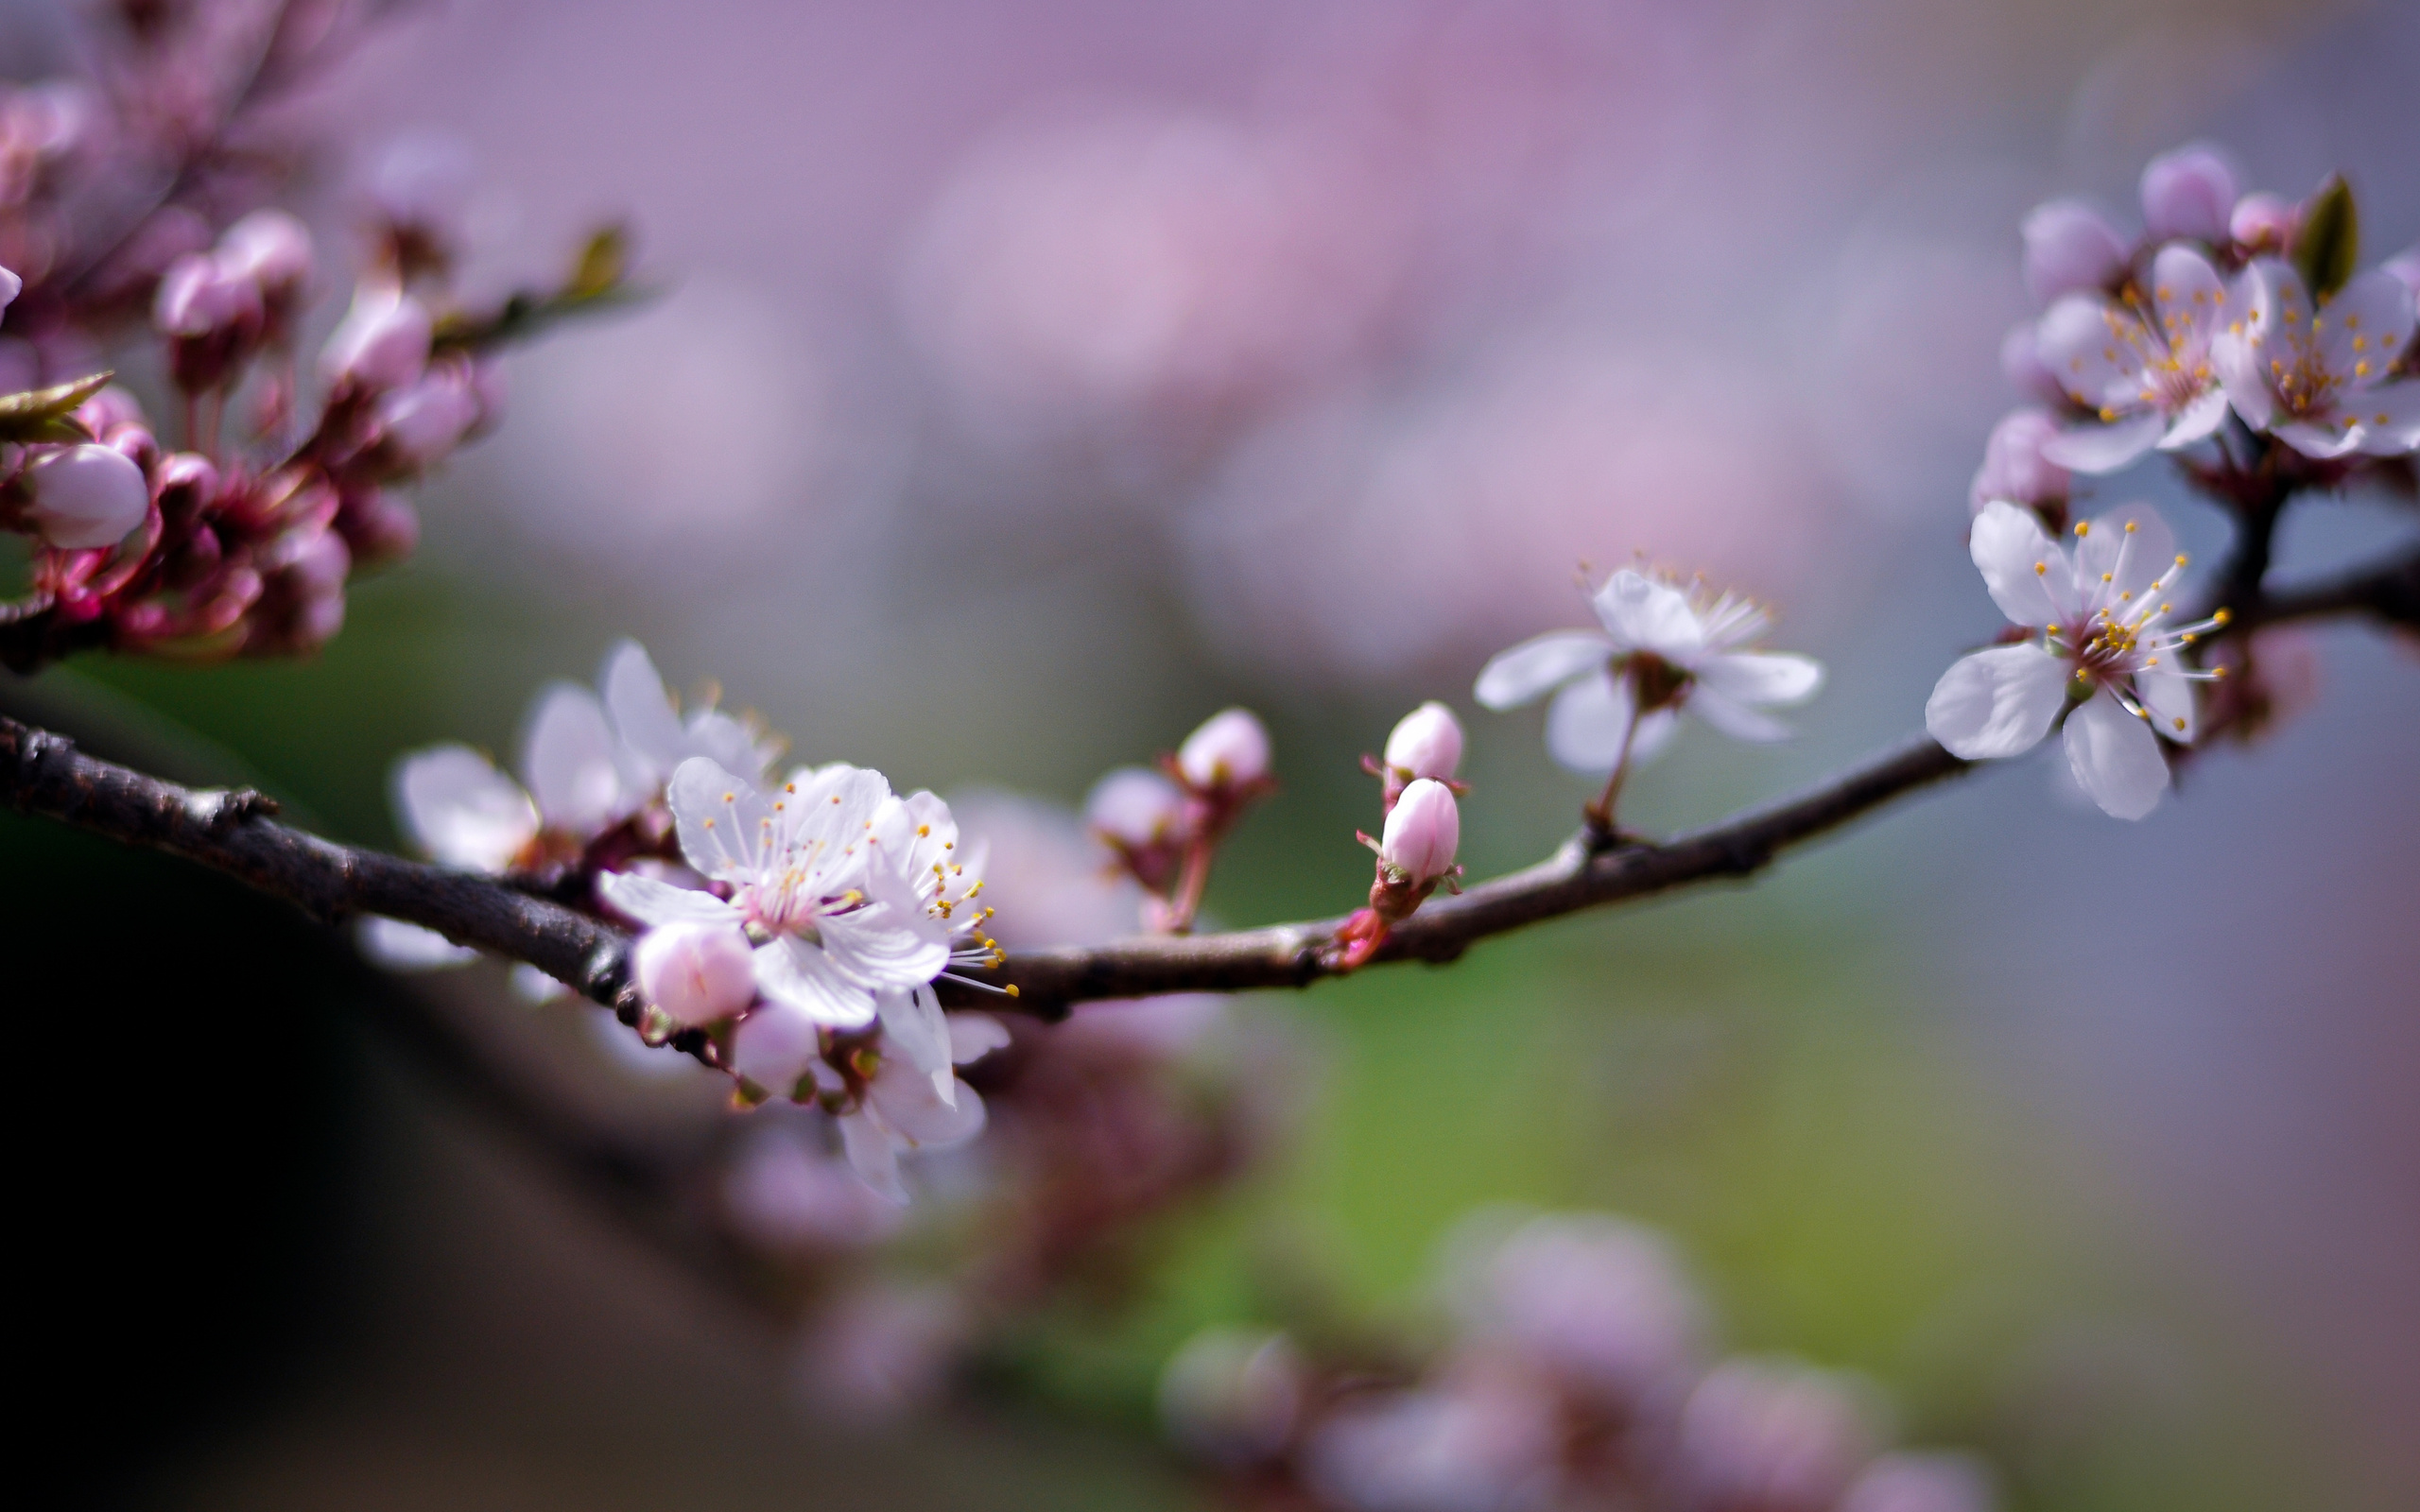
[
  {"x": 2330, "y": 239},
  {"x": 42, "y": 414},
  {"x": 602, "y": 265}
]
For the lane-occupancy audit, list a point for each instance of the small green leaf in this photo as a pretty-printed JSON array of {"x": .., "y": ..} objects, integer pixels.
[
  {"x": 42, "y": 414},
  {"x": 2330, "y": 239},
  {"x": 602, "y": 265}
]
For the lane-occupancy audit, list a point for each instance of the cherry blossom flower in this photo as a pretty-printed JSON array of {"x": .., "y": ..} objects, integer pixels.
[
  {"x": 381, "y": 343},
  {"x": 902, "y": 1111},
  {"x": 1905, "y": 1482},
  {"x": 834, "y": 919},
  {"x": 1773, "y": 1433},
  {"x": 2108, "y": 658},
  {"x": 919, "y": 834},
  {"x": 2315, "y": 375},
  {"x": 2141, "y": 361},
  {"x": 1600, "y": 1304},
  {"x": 2264, "y": 223},
  {"x": 1662, "y": 648}
]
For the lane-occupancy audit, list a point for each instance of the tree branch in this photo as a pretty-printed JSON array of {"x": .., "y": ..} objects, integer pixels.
[{"x": 234, "y": 832}]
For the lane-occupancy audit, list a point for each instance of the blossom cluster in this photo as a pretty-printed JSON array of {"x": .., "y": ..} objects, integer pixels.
[
  {"x": 1576, "y": 1374},
  {"x": 1165, "y": 823}
]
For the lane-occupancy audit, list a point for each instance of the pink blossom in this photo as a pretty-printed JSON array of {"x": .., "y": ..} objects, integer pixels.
[
  {"x": 85, "y": 496},
  {"x": 199, "y": 296},
  {"x": 1772, "y": 1435},
  {"x": 2189, "y": 193},
  {"x": 695, "y": 974},
  {"x": 2070, "y": 248},
  {"x": 1921, "y": 1483},
  {"x": 2021, "y": 364},
  {"x": 2264, "y": 223},
  {"x": 2317, "y": 376},
  {"x": 11, "y": 286},
  {"x": 1421, "y": 834},
  {"x": 1426, "y": 742},
  {"x": 381, "y": 343},
  {"x": 2140, "y": 363},
  {"x": 1230, "y": 750},
  {"x": 2013, "y": 467},
  {"x": 1231, "y": 1396}
]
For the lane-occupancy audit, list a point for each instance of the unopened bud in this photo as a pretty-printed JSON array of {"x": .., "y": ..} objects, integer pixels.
[
  {"x": 11, "y": 286},
  {"x": 1426, "y": 742},
  {"x": 379, "y": 526},
  {"x": 696, "y": 973},
  {"x": 2189, "y": 193},
  {"x": 2263, "y": 223},
  {"x": 2013, "y": 467},
  {"x": 420, "y": 424},
  {"x": 107, "y": 410},
  {"x": 383, "y": 342},
  {"x": 1230, "y": 750},
  {"x": 85, "y": 496},
  {"x": 2070, "y": 247},
  {"x": 1422, "y": 832},
  {"x": 199, "y": 297},
  {"x": 1135, "y": 807},
  {"x": 270, "y": 246}
]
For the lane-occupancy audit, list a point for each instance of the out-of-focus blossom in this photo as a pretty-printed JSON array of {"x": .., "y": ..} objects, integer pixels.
[
  {"x": 460, "y": 810},
  {"x": 419, "y": 188},
  {"x": 839, "y": 920},
  {"x": 422, "y": 422},
  {"x": 1423, "y": 831},
  {"x": 1229, "y": 751},
  {"x": 382, "y": 344},
  {"x": 1046, "y": 875},
  {"x": 695, "y": 974},
  {"x": 901, "y": 1112},
  {"x": 1481, "y": 1440},
  {"x": 1770, "y": 1435},
  {"x": 882, "y": 1351},
  {"x": 2142, "y": 365},
  {"x": 1231, "y": 1396},
  {"x": 2021, "y": 364},
  {"x": 2070, "y": 248},
  {"x": 11, "y": 286},
  {"x": 2108, "y": 658},
  {"x": 656, "y": 739},
  {"x": 2189, "y": 193},
  {"x": 2264, "y": 223},
  {"x": 1618, "y": 691},
  {"x": 84, "y": 496},
  {"x": 787, "y": 1194},
  {"x": 2014, "y": 468},
  {"x": 1905, "y": 1482},
  {"x": 274, "y": 250},
  {"x": 1135, "y": 809},
  {"x": 2317, "y": 376},
  {"x": 1601, "y": 1303},
  {"x": 2404, "y": 267}
]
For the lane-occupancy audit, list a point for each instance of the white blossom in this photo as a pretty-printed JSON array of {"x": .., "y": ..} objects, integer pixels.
[
  {"x": 85, "y": 496},
  {"x": 1619, "y": 690},
  {"x": 902, "y": 1111},
  {"x": 2141, "y": 362},
  {"x": 2313, "y": 373},
  {"x": 2102, "y": 651}
]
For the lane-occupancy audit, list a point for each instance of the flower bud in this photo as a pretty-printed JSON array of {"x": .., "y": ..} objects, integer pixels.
[
  {"x": 2068, "y": 247},
  {"x": 696, "y": 972},
  {"x": 11, "y": 286},
  {"x": 2013, "y": 467},
  {"x": 2189, "y": 193},
  {"x": 1230, "y": 750},
  {"x": 379, "y": 526},
  {"x": 1426, "y": 742},
  {"x": 420, "y": 424},
  {"x": 201, "y": 296},
  {"x": 1135, "y": 807},
  {"x": 2021, "y": 364},
  {"x": 107, "y": 410},
  {"x": 383, "y": 342},
  {"x": 270, "y": 248},
  {"x": 1422, "y": 832},
  {"x": 2263, "y": 223},
  {"x": 86, "y": 496}
]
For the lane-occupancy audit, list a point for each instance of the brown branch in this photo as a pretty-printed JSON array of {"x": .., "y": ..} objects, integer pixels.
[{"x": 234, "y": 832}]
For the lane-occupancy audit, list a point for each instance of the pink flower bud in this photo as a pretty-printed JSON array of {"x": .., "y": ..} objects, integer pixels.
[
  {"x": 2013, "y": 467},
  {"x": 2021, "y": 364},
  {"x": 1423, "y": 831},
  {"x": 86, "y": 496},
  {"x": 2068, "y": 247},
  {"x": 1135, "y": 807},
  {"x": 383, "y": 342},
  {"x": 2189, "y": 193},
  {"x": 420, "y": 425},
  {"x": 199, "y": 296},
  {"x": 11, "y": 286},
  {"x": 270, "y": 248},
  {"x": 1230, "y": 749},
  {"x": 107, "y": 410},
  {"x": 379, "y": 526},
  {"x": 696, "y": 973},
  {"x": 1426, "y": 742},
  {"x": 2263, "y": 223}
]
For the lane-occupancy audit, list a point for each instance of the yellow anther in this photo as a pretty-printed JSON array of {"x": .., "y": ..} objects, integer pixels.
[
  {"x": 923, "y": 829},
  {"x": 2180, "y": 727},
  {"x": 2041, "y": 569},
  {"x": 2179, "y": 561},
  {"x": 2219, "y": 673},
  {"x": 710, "y": 824},
  {"x": 789, "y": 787},
  {"x": 2130, "y": 528},
  {"x": 1012, "y": 990},
  {"x": 2104, "y": 577},
  {"x": 2084, "y": 527},
  {"x": 731, "y": 798},
  {"x": 2221, "y": 617}
]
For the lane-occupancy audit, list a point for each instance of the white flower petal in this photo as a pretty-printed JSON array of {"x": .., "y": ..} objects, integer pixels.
[
  {"x": 906, "y": 1104},
  {"x": 791, "y": 970},
  {"x": 572, "y": 761},
  {"x": 973, "y": 1035},
  {"x": 455, "y": 806},
  {"x": 913, "y": 1022},
  {"x": 872, "y": 1155},
  {"x": 643, "y": 711},
  {"x": 1733, "y": 718},
  {"x": 712, "y": 733},
  {"x": 2319, "y": 441},
  {"x": 2131, "y": 559},
  {"x": 890, "y": 943},
  {"x": 1642, "y": 614},
  {"x": 1588, "y": 722},
  {"x": 726, "y": 826},
  {"x": 401, "y": 947},
  {"x": 654, "y": 902},
  {"x": 1535, "y": 667},
  {"x": 2390, "y": 418},
  {"x": 2197, "y": 421},
  {"x": 2027, "y": 574},
  {"x": 2236, "y": 360},
  {"x": 1997, "y": 703},
  {"x": 2169, "y": 695},
  {"x": 2190, "y": 298},
  {"x": 1654, "y": 732},
  {"x": 2115, "y": 756},
  {"x": 1762, "y": 677},
  {"x": 2374, "y": 309},
  {"x": 2095, "y": 350},
  {"x": 775, "y": 1045},
  {"x": 2106, "y": 448}
]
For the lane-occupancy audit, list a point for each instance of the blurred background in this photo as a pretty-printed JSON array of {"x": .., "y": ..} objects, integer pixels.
[{"x": 1030, "y": 380}]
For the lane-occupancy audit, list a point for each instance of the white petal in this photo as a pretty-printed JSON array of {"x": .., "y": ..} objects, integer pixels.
[
  {"x": 791, "y": 970},
  {"x": 890, "y": 943},
  {"x": 2390, "y": 418},
  {"x": 2323, "y": 442},
  {"x": 913, "y": 1022},
  {"x": 455, "y": 806},
  {"x": 2376, "y": 310},
  {"x": 654, "y": 902},
  {"x": 1588, "y": 722},
  {"x": 1511, "y": 679},
  {"x": 2190, "y": 299},
  {"x": 401, "y": 947},
  {"x": 2115, "y": 756},
  {"x": 775, "y": 1045},
  {"x": 2195, "y": 421},
  {"x": 1997, "y": 703},
  {"x": 905, "y": 1103},
  {"x": 1654, "y": 732},
  {"x": 872, "y": 1155},
  {"x": 2131, "y": 559},
  {"x": 1762, "y": 677},
  {"x": 571, "y": 761},
  {"x": 643, "y": 711},
  {"x": 973, "y": 1035},
  {"x": 726, "y": 826},
  {"x": 2169, "y": 695},
  {"x": 712, "y": 733},
  {"x": 2236, "y": 360},
  {"x": 2096, "y": 351},
  {"x": 1733, "y": 718},
  {"x": 2028, "y": 576},
  {"x": 1642, "y": 614},
  {"x": 2106, "y": 448}
]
